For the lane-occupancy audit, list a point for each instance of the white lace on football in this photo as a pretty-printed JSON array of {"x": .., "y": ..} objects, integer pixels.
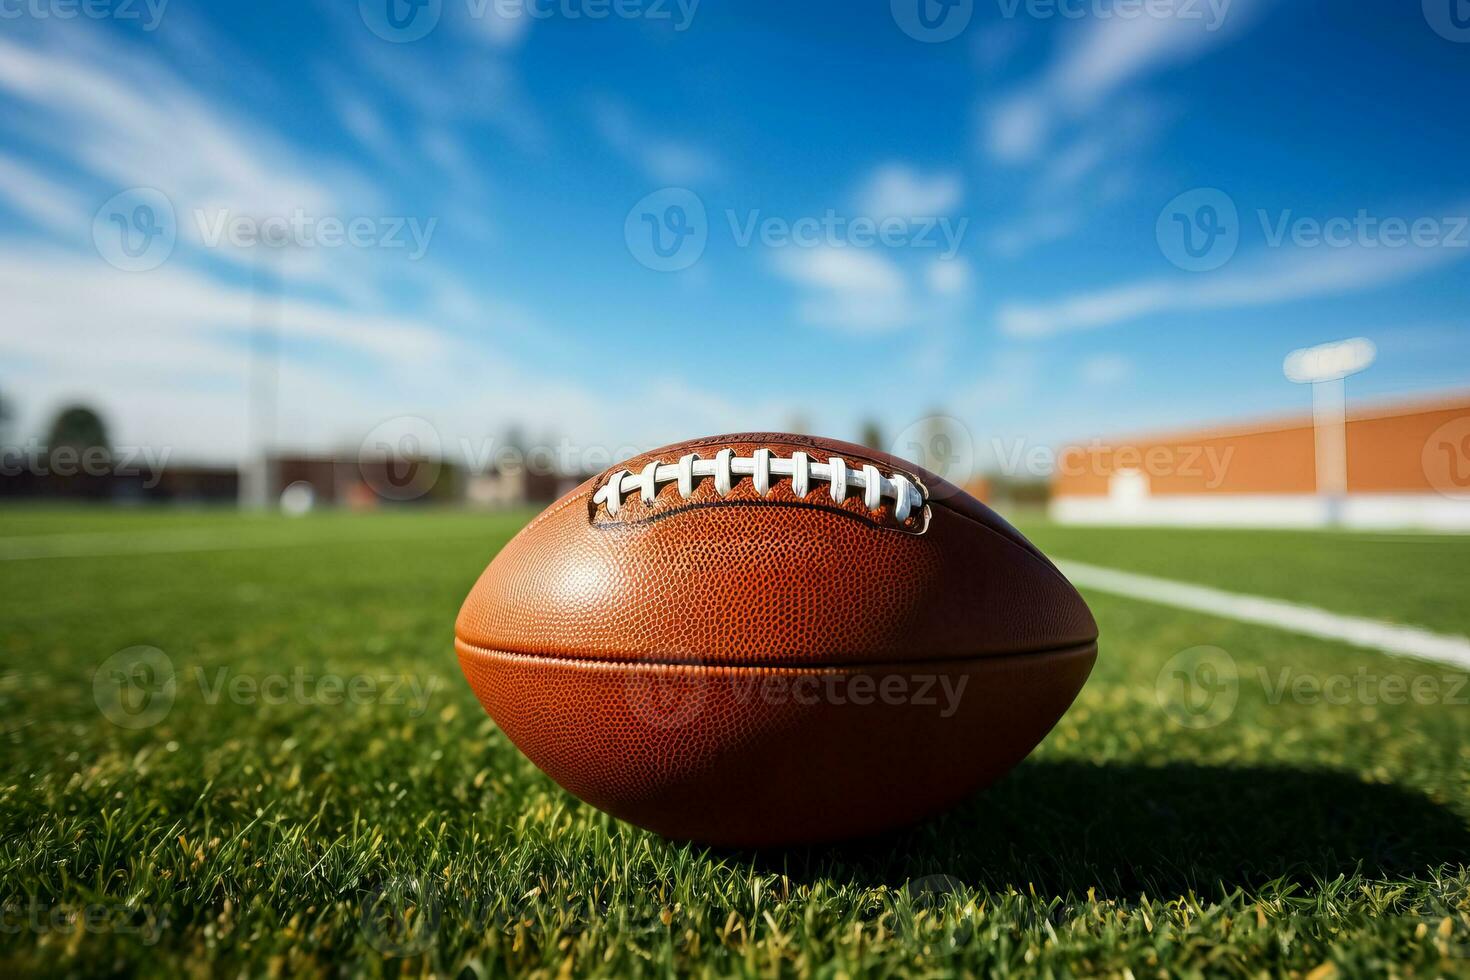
[{"x": 726, "y": 467}]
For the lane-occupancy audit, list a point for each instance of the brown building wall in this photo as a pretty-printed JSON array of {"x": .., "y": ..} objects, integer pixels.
[{"x": 1386, "y": 454}]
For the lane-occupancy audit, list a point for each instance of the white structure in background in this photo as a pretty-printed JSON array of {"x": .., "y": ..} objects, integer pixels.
[
  {"x": 1326, "y": 368},
  {"x": 1398, "y": 465}
]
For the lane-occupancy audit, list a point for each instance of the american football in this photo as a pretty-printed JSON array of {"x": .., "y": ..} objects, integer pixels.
[
  {"x": 1079, "y": 591},
  {"x": 763, "y": 638}
]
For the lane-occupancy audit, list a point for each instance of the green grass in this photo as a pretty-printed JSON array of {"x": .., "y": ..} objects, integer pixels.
[{"x": 399, "y": 832}]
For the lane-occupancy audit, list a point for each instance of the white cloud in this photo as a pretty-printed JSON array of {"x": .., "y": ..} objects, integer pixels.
[
  {"x": 452, "y": 87},
  {"x": 60, "y": 305},
  {"x": 165, "y": 356},
  {"x": 1017, "y": 128},
  {"x": 1003, "y": 378},
  {"x": 362, "y": 119},
  {"x": 41, "y": 199},
  {"x": 132, "y": 123},
  {"x": 840, "y": 268},
  {"x": 661, "y": 158},
  {"x": 897, "y": 190},
  {"x": 1268, "y": 280},
  {"x": 860, "y": 290},
  {"x": 1103, "y": 370},
  {"x": 948, "y": 277},
  {"x": 498, "y": 24},
  {"x": 1101, "y": 57},
  {"x": 865, "y": 291}
]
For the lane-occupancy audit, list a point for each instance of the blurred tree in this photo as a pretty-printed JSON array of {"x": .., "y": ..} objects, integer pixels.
[
  {"x": 79, "y": 428},
  {"x": 7, "y": 415},
  {"x": 79, "y": 456},
  {"x": 872, "y": 435}
]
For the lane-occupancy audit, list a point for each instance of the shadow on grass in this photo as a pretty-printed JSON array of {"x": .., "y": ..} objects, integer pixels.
[{"x": 1122, "y": 829}]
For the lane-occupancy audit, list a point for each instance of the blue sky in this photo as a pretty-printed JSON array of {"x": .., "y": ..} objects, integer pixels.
[{"x": 1035, "y": 174}]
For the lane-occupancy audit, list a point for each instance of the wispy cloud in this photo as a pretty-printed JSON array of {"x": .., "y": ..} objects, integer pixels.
[
  {"x": 859, "y": 290},
  {"x": 38, "y": 197},
  {"x": 136, "y": 123},
  {"x": 1097, "y": 60},
  {"x": 661, "y": 158},
  {"x": 897, "y": 190},
  {"x": 1104, "y": 370},
  {"x": 1269, "y": 279},
  {"x": 865, "y": 291}
]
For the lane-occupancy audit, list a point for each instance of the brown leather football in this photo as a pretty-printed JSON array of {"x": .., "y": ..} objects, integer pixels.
[{"x": 765, "y": 639}]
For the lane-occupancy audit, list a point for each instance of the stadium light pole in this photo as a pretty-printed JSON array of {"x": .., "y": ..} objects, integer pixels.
[
  {"x": 1326, "y": 368},
  {"x": 256, "y": 469}
]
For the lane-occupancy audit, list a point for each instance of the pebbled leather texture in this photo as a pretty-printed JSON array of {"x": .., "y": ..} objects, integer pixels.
[{"x": 660, "y": 663}]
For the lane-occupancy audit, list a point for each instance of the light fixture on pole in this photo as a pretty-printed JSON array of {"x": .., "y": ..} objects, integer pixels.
[{"x": 1325, "y": 368}]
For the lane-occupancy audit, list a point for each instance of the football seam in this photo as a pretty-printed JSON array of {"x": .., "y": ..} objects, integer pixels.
[
  {"x": 790, "y": 504},
  {"x": 463, "y": 645},
  {"x": 761, "y": 466}
]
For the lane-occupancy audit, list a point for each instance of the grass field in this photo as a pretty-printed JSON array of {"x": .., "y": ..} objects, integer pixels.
[{"x": 312, "y": 789}]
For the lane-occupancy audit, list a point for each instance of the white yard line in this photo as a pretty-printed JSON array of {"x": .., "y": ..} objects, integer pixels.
[{"x": 1371, "y": 634}]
